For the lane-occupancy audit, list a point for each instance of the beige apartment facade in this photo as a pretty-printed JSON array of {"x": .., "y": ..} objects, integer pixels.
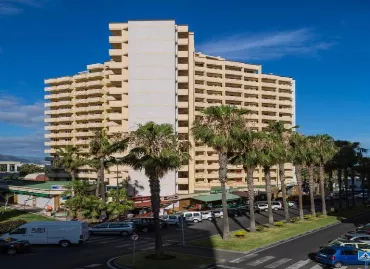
[{"x": 155, "y": 74}]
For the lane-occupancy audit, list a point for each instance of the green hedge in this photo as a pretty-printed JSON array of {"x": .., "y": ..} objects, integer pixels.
[
  {"x": 8, "y": 226},
  {"x": 279, "y": 224}
]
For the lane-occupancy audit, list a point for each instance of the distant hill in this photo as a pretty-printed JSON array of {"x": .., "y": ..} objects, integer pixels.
[{"x": 22, "y": 159}]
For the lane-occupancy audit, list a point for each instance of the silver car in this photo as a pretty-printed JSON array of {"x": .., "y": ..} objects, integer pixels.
[
  {"x": 122, "y": 228},
  {"x": 173, "y": 219}
]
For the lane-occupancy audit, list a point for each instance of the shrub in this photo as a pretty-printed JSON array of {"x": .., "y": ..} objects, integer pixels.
[
  {"x": 294, "y": 219},
  {"x": 279, "y": 224},
  {"x": 319, "y": 214},
  {"x": 8, "y": 226},
  {"x": 308, "y": 216},
  {"x": 240, "y": 233},
  {"x": 260, "y": 228}
]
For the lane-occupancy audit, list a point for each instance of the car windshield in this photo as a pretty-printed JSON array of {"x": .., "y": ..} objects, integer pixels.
[
  {"x": 348, "y": 237},
  {"x": 328, "y": 251}
]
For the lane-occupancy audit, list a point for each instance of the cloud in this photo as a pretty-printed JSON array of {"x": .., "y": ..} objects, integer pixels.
[
  {"x": 14, "y": 7},
  {"x": 268, "y": 45},
  {"x": 14, "y": 111},
  {"x": 28, "y": 145}
]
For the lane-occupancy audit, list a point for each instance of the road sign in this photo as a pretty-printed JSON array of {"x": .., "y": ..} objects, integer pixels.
[
  {"x": 363, "y": 256},
  {"x": 135, "y": 237}
]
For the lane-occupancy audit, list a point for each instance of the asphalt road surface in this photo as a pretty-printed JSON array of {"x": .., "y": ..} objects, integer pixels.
[{"x": 99, "y": 249}]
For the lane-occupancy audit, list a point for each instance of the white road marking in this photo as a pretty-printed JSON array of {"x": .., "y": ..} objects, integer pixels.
[
  {"x": 259, "y": 261},
  {"x": 298, "y": 264},
  {"x": 93, "y": 265},
  {"x": 277, "y": 263},
  {"x": 244, "y": 258},
  {"x": 124, "y": 245},
  {"x": 226, "y": 267}
]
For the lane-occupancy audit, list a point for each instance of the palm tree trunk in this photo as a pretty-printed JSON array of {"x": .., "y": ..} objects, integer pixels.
[
  {"x": 98, "y": 179},
  {"x": 322, "y": 187},
  {"x": 102, "y": 185},
  {"x": 353, "y": 187},
  {"x": 330, "y": 173},
  {"x": 268, "y": 194},
  {"x": 363, "y": 188},
  {"x": 252, "y": 217},
  {"x": 346, "y": 186},
  {"x": 298, "y": 173},
  {"x": 155, "y": 198},
  {"x": 73, "y": 175},
  {"x": 311, "y": 183},
  {"x": 340, "y": 187},
  {"x": 223, "y": 177},
  {"x": 283, "y": 191}
]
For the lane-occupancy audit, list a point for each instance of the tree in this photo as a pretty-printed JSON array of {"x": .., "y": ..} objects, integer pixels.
[
  {"x": 80, "y": 201},
  {"x": 248, "y": 154},
  {"x": 26, "y": 169},
  {"x": 298, "y": 147},
  {"x": 156, "y": 150},
  {"x": 101, "y": 148},
  {"x": 69, "y": 159},
  {"x": 325, "y": 149},
  {"x": 363, "y": 170},
  {"x": 6, "y": 196},
  {"x": 282, "y": 136},
  {"x": 120, "y": 203},
  {"x": 312, "y": 160},
  {"x": 218, "y": 127},
  {"x": 270, "y": 154}
]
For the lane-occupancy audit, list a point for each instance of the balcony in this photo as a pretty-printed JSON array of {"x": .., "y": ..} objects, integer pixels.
[
  {"x": 82, "y": 142},
  {"x": 285, "y": 102},
  {"x": 95, "y": 66},
  {"x": 89, "y": 100},
  {"x": 284, "y": 87},
  {"x": 60, "y": 103},
  {"x": 183, "y": 41},
  {"x": 116, "y": 52},
  {"x": 199, "y": 68},
  {"x": 184, "y": 117},
  {"x": 59, "y": 119},
  {"x": 184, "y": 168},
  {"x": 285, "y": 118},
  {"x": 58, "y": 96},
  {"x": 80, "y": 85},
  {"x": 183, "y": 130},
  {"x": 182, "y": 181},
  {"x": 89, "y": 117},
  {"x": 94, "y": 83},
  {"x": 215, "y": 79},
  {"x": 84, "y": 134},
  {"x": 234, "y": 72},
  {"x": 213, "y": 175},
  {"x": 89, "y": 92},
  {"x": 119, "y": 103},
  {"x": 182, "y": 79},
  {"x": 269, "y": 101},
  {"x": 117, "y": 39},
  {"x": 285, "y": 94},
  {"x": 233, "y": 98},
  {"x": 118, "y": 78},
  {"x": 116, "y": 116},
  {"x": 286, "y": 110},
  {"x": 269, "y": 84},
  {"x": 58, "y": 143},
  {"x": 183, "y": 54},
  {"x": 183, "y": 66},
  {"x": 89, "y": 125},
  {"x": 269, "y": 117},
  {"x": 251, "y": 83},
  {"x": 183, "y": 104},
  {"x": 200, "y": 104},
  {"x": 114, "y": 90},
  {"x": 182, "y": 92},
  {"x": 89, "y": 108}
]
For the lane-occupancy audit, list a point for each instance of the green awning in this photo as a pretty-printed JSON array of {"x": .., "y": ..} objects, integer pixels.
[
  {"x": 30, "y": 193},
  {"x": 216, "y": 197}
]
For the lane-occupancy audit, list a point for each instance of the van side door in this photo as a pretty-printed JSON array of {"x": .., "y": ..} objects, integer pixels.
[{"x": 38, "y": 235}]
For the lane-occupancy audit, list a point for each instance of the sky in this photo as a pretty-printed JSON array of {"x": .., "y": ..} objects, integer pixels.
[{"x": 324, "y": 45}]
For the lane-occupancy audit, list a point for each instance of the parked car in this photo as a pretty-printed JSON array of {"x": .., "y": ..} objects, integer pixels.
[
  {"x": 337, "y": 256},
  {"x": 121, "y": 228},
  {"x": 193, "y": 216},
  {"x": 63, "y": 233},
  {"x": 276, "y": 205},
  {"x": 364, "y": 226},
  {"x": 207, "y": 215},
  {"x": 173, "y": 219},
  {"x": 292, "y": 204},
  {"x": 234, "y": 212},
  {"x": 147, "y": 224},
  {"x": 218, "y": 213},
  {"x": 362, "y": 237},
  {"x": 261, "y": 206},
  {"x": 12, "y": 246},
  {"x": 347, "y": 243}
]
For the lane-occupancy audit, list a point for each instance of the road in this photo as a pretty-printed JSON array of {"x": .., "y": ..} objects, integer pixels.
[{"x": 96, "y": 252}]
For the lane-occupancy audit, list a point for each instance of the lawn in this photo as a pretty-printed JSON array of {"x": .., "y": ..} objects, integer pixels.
[
  {"x": 274, "y": 234},
  {"x": 12, "y": 214},
  {"x": 181, "y": 261}
]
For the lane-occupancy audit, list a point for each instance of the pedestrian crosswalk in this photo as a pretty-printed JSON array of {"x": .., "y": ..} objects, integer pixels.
[{"x": 271, "y": 262}]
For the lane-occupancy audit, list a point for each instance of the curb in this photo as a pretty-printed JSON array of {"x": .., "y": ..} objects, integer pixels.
[{"x": 256, "y": 250}]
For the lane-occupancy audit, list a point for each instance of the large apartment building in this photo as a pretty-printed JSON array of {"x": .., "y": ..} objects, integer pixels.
[{"x": 154, "y": 74}]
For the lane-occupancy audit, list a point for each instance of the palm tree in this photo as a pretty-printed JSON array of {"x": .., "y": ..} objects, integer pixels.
[
  {"x": 282, "y": 136},
  {"x": 270, "y": 154},
  {"x": 156, "y": 150},
  {"x": 218, "y": 127},
  {"x": 298, "y": 146},
  {"x": 363, "y": 169},
  {"x": 312, "y": 160},
  {"x": 69, "y": 158},
  {"x": 101, "y": 148},
  {"x": 248, "y": 155},
  {"x": 325, "y": 148}
]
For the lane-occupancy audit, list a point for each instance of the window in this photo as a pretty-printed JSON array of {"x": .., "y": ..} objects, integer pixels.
[
  {"x": 365, "y": 238},
  {"x": 172, "y": 217},
  {"x": 105, "y": 225},
  {"x": 196, "y": 214},
  {"x": 115, "y": 225},
  {"x": 328, "y": 251},
  {"x": 350, "y": 245},
  {"x": 363, "y": 246},
  {"x": 349, "y": 252},
  {"x": 188, "y": 215},
  {"x": 19, "y": 231}
]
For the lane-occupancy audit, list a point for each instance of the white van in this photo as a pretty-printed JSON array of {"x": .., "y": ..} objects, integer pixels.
[
  {"x": 63, "y": 233},
  {"x": 193, "y": 216}
]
